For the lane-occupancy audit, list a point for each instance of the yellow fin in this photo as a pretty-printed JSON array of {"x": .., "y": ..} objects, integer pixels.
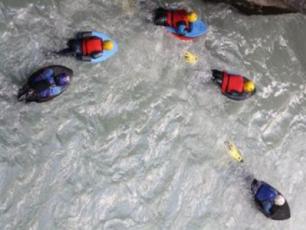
[
  {"x": 233, "y": 151},
  {"x": 191, "y": 58}
]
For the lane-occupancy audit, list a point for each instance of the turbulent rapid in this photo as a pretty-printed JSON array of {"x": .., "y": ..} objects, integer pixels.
[{"x": 137, "y": 142}]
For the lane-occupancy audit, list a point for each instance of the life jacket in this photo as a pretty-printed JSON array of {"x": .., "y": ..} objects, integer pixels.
[
  {"x": 266, "y": 193},
  {"x": 232, "y": 83},
  {"x": 174, "y": 17},
  {"x": 92, "y": 45}
]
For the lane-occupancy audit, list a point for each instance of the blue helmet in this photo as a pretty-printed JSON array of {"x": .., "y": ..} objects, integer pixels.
[{"x": 62, "y": 79}]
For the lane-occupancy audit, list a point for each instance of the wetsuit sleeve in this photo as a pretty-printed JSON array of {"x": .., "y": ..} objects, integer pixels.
[
  {"x": 217, "y": 76},
  {"x": 267, "y": 205},
  {"x": 181, "y": 29}
]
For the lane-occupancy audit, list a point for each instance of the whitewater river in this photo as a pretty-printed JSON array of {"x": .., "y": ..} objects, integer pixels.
[{"x": 136, "y": 142}]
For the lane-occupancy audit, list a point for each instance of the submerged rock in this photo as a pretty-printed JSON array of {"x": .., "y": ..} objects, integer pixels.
[{"x": 250, "y": 7}]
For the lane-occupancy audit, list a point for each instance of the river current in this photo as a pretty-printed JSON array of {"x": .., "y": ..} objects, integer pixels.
[{"x": 136, "y": 142}]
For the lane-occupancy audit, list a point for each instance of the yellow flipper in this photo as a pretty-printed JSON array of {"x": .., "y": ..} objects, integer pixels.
[
  {"x": 233, "y": 151},
  {"x": 191, "y": 58}
]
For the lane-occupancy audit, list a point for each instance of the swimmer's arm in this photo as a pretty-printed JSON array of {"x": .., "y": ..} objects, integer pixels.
[{"x": 266, "y": 205}]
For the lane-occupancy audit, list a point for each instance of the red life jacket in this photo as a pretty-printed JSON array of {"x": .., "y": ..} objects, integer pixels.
[
  {"x": 92, "y": 45},
  {"x": 232, "y": 83},
  {"x": 174, "y": 17}
]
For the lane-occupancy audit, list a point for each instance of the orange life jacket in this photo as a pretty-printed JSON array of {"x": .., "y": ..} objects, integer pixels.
[
  {"x": 232, "y": 83},
  {"x": 92, "y": 45},
  {"x": 174, "y": 17}
]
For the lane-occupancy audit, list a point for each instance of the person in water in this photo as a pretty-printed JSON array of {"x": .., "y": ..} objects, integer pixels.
[
  {"x": 267, "y": 197},
  {"x": 233, "y": 86},
  {"x": 181, "y": 20},
  {"x": 86, "y": 47},
  {"x": 44, "y": 86}
]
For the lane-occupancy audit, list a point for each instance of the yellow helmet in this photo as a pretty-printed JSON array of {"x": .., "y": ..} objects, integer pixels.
[
  {"x": 108, "y": 45},
  {"x": 192, "y": 16},
  {"x": 249, "y": 86}
]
